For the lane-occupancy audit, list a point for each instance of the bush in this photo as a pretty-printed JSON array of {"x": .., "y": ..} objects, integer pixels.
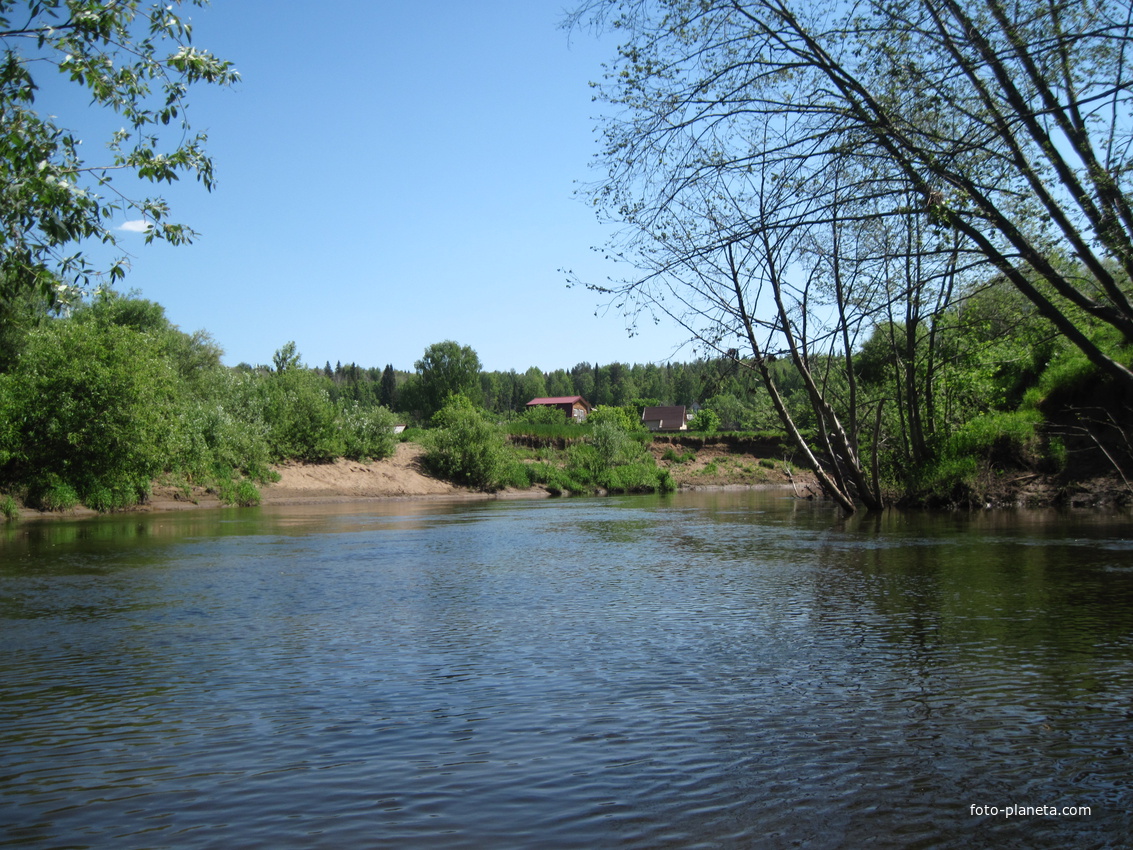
[
  {"x": 638, "y": 478},
  {"x": 241, "y": 492},
  {"x": 615, "y": 460},
  {"x": 705, "y": 422},
  {"x": 9, "y": 508},
  {"x": 671, "y": 456},
  {"x": 215, "y": 438},
  {"x": 613, "y": 444},
  {"x": 246, "y": 494},
  {"x": 301, "y": 418},
  {"x": 96, "y": 413},
  {"x": 367, "y": 433},
  {"x": 103, "y": 499},
  {"x": 620, "y": 416},
  {"x": 466, "y": 448},
  {"x": 948, "y": 481},
  {"x": 50, "y": 493},
  {"x": 542, "y": 415},
  {"x": 995, "y": 440},
  {"x": 1003, "y": 439}
]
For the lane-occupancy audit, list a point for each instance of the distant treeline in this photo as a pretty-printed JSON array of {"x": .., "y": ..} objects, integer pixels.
[{"x": 506, "y": 394}]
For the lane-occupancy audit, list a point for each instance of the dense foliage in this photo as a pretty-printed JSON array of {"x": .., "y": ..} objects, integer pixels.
[{"x": 96, "y": 405}]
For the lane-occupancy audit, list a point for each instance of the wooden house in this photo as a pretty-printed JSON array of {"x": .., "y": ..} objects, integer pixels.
[{"x": 665, "y": 418}]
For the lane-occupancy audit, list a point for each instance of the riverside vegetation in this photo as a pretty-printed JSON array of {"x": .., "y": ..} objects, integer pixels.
[
  {"x": 98, "y": 402},
  {"x": 900, "y": 235}
]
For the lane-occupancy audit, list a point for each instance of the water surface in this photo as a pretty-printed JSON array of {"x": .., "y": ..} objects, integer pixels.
[{"x": 699, "y": 670}]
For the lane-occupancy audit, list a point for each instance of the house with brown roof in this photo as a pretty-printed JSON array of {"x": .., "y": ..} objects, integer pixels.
[
  {"x": 573, "y": 407},
  {"x": 665, "y": 418}
]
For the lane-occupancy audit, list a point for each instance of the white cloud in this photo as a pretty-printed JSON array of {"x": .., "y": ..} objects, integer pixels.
[{"x": 139, "y": 226}]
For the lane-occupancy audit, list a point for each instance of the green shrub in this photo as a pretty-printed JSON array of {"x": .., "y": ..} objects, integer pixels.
[
  {"x": 50, "y": 493},
  {"x": 9, "y": 508},
  {"x": 247, "y": 494},
  {"x": 241, "y": 492},
  {"x": 1069, "y": 372},
  {"x": 302, "y": 420},
  {"x": 466, "y": 448},
  {"x": 637, "y": 478},
  {"x": 767, "y": 463},
  {"x": 1056, "y": 453},
  {"x": 543, "y": 415},
  {"x": 612, "y": 459},
  {"x": 612, "y": 444},
  {"x": 1065, "y": 374},
  {"x": 670, "y": 455},
  {"x": 704, "y": 422},
  {"x": 947, "y": 480},
  {"x": 515, "y": 473},
  {"x": 367, "y": 433},
  {"x": 555, "y": 479},
  {"x": 412, "y": 435},
  {"x": 1003, "y": 439},
  {"x": 94, "y": 405},
  {"x": 558, "y": 431},
  {"x": 620, "y": 416},
  {"x": 102, "y": 499},
  {"x": 227, "y": 430}
]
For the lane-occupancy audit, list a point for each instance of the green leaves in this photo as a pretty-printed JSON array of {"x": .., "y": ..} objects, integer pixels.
[
  {"x": 92, "y": 403},
  {"x": 446, "y": 369},
  {"x": 51, "y": 198}
]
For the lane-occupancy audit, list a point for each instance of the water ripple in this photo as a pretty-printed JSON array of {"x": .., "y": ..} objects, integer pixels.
[{"x": 708, "y": 671}]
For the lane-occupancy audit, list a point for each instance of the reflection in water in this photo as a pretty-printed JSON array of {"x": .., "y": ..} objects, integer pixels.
[{"x": 717, "y": 670}]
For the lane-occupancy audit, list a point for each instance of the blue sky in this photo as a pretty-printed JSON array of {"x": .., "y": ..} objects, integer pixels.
[{"x": 394, "y": 174}]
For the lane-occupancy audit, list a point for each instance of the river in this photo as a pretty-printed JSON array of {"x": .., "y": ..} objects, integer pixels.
[{"x": 726, "y": 669}]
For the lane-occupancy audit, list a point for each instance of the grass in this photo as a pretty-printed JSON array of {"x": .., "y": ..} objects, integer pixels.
[
  {"x": 52, "y": 494},
  {"x": 242, "y": 493},
  {"x": 671, "y": 456}
]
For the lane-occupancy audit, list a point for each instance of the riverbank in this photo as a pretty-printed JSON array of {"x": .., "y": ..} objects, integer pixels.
[
  {"x": 403, "y": 476},
  {"x": 709, "y": 467}
]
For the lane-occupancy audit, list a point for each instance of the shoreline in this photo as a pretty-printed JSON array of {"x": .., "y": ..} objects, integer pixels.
[
  {"x": 401, "y": 477},
  {"x": 211, "y": 502},
  {"x": 397, "y": 478}
]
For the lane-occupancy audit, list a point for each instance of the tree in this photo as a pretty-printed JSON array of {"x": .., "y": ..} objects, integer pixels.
[
  {"x": 532, "y": 385},
  {"x": 51, "y": 198},
  {"x": 387, "y": 394},
  {"x": 793, "y": 174},
  {"x": 286, "y": 358},
  {"x": 95, "y": 409},
  {"x": 447, "y": 368}
]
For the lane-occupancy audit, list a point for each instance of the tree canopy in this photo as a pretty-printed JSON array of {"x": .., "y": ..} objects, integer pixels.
[
  {"x": 446, "y": 369},
  {"x": 792, "y": 175},
  {"x": 135, "y": 59}
]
